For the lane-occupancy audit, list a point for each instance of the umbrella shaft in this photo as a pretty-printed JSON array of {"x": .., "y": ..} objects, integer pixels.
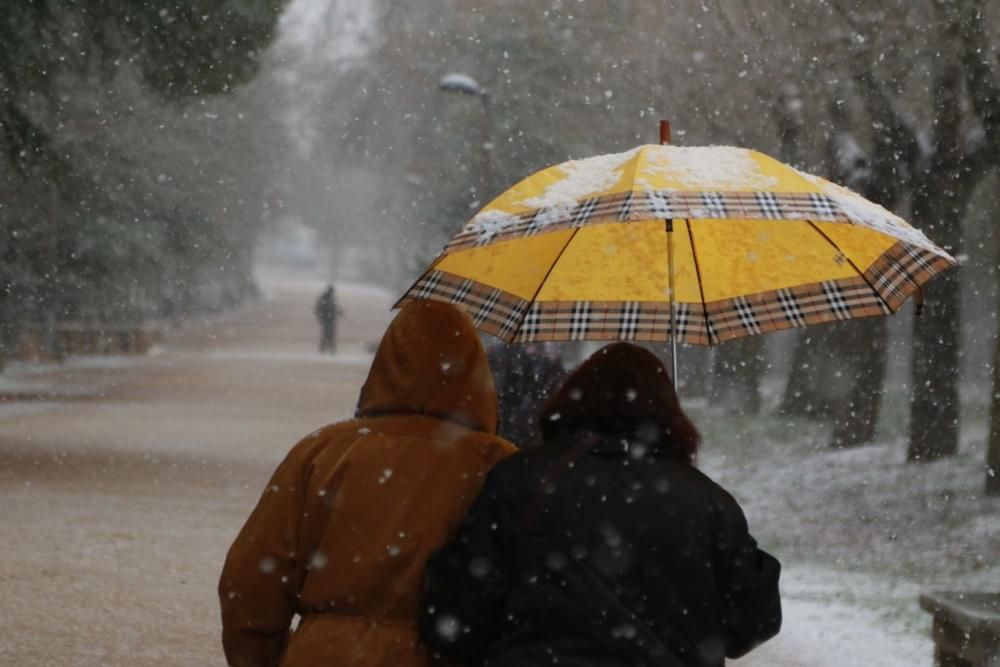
[{"x": 670, "y": 285}]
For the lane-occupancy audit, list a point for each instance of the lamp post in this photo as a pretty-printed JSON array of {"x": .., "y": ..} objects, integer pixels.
[{"x": 464, "y": 84}]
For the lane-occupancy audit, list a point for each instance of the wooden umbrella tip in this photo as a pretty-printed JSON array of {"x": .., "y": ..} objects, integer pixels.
[{"x": 664, "y": 132}]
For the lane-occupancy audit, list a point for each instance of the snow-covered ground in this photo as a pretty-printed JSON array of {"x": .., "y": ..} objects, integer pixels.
[
  {"x": 860, "y": 533},
  {"x": 119, "y": 503}
]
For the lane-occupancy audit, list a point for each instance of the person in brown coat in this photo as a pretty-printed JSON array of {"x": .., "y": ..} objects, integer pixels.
[{"x": 344, "y": 528}]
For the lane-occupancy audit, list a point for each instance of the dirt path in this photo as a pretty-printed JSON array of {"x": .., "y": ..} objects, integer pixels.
[{"x": 120, "y": 501}]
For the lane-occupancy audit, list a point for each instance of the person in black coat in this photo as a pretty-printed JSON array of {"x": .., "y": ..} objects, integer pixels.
[{"x": 604, "y": 546}]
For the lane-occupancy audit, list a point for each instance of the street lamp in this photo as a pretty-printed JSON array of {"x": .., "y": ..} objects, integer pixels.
[
  {"x": 456, "y": 82},
  {"x": 461, "y": 83}
]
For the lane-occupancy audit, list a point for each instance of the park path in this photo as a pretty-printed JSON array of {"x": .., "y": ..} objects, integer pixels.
[{"x": 121, "y": 494}]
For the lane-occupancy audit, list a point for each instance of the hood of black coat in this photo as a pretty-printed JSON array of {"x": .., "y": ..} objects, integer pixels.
[{"x": 621, "y": 398}]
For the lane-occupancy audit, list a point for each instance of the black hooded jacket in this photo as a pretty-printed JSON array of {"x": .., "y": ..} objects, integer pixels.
[{"x": 602, "y": 547}]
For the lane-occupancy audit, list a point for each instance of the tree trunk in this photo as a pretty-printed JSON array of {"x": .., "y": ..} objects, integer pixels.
[
  {"x": 737, "y": 369},
  {"x": 694, "y": 365},
  {"x": 941, "y": 195},
  {"x": 993, "y": 454},
  {"x": 800, "y": 397},
  {"x": 984, "y": 91},
  {"x": 857, "y": 420},
  {"x": 819, "y": 384},
  {"x": 797, "y": 399},
  {"x": 811, "y": 390},
  {"x": 934, "y": 403},
  {"x": 867, "y": 341},
  {"x": 940, "y": 202}
]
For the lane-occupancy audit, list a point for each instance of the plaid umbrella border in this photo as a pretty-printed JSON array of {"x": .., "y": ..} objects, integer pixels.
[
  {"x": 633, "y": 206},
  {"x": 881, "y": 290},
  {"x": 645, "y": 321},
  {"x": 901, "y": 270},
  {"x": 493, "y": 310}
]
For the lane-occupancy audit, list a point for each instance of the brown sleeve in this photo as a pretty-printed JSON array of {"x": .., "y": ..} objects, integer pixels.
[{"x": 261, "y": 577}]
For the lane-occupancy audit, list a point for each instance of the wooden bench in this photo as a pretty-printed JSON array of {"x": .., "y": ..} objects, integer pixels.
[{"x": 966, "y": 628}]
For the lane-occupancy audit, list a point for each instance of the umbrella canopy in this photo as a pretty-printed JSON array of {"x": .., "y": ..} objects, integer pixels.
[{"x": 579, "y": 251}]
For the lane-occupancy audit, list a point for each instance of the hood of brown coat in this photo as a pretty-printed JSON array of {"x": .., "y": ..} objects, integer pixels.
[{"x": 431, "y": 362}]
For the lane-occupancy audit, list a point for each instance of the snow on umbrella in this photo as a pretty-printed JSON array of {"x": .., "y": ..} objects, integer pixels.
[{"x": 724, "y": 242}]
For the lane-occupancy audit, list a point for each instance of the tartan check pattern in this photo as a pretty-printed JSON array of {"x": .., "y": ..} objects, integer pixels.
[
  {"x": 632, "y": 206},
  {"x": 769, "y": 205},
  {"x": 492, "y": 310},
  {"x": 901, "y": 270},
  {"x": 880, "y": 291},
  {"x": 791, "y": 307},
  {"x": 611, "y": 321}
]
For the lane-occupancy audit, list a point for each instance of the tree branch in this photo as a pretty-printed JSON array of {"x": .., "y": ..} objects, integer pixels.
[
  {"x": 898, "y": 136},
  {"x": 980, "y": 77}
]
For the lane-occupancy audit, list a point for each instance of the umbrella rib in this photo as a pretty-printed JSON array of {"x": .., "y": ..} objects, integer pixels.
[
  {"x": 551, "y": 268},
  {"x": 853, "y": 265},
  {"x": 701, "y": 286}
]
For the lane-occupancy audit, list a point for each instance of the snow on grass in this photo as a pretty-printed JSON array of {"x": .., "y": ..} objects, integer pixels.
[
  {"x": 26, "y": 385},
  {"x": 16, "y": 384},
  {"x": 867, "y": 507},
  {"x": 23, "y": 374},
  {"x": 860, "y": 533},
  {"x": 825, "y": 625},
  {"x": 20, "y": 409},
  {"x": 351, "y": 358},
  {"x": 111, "y": 360}
]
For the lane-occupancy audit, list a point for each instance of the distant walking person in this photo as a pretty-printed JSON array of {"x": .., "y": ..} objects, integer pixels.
[
  {"x": 327, "y": 313},
  {"x": 342, "y": 531},
  {"x": 605, "y": 545}
]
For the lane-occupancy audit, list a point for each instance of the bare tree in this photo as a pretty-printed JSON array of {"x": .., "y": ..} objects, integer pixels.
[
  {"x": 945, "y": 177},
  {"x": 993, "y": 443},
  {"x": 981, "y": 72}
]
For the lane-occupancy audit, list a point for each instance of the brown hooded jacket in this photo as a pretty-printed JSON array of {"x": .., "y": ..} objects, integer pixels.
[{"x": 341, "y": 535}]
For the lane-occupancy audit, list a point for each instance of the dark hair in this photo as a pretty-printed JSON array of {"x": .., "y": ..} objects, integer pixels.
[{"x": 622, "y": 389}]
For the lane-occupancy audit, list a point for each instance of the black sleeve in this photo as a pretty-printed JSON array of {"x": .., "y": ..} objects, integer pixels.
[
  {"x": 748, "y": 581},
  {"x": 466, "y": 581}
]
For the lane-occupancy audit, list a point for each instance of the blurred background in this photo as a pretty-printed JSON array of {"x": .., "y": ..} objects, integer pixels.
[
  {"x": 169, "y": 165},
  {"x": 154, "y": 153}
]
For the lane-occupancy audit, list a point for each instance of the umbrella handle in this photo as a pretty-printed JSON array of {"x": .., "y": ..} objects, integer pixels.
[{"x": 918, "y": 300}]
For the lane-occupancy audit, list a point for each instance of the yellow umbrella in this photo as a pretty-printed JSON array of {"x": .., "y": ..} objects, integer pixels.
[{"x": 726, "y": 242}]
